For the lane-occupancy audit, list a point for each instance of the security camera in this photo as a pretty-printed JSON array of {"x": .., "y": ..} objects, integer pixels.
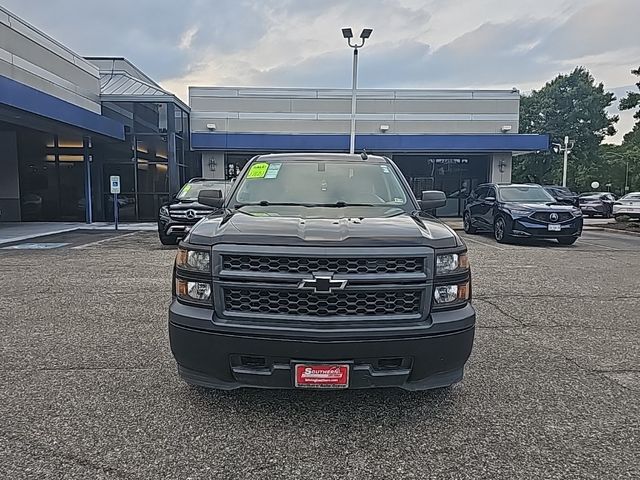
[
  {"x": 384, "y": 128},
  {"x": 211, "y": 126},
  {"x": 505, "y": 128}
]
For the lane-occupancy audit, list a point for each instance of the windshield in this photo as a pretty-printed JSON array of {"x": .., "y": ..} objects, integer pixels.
[
  {"x": 320, "y": 184},
  {"x": 525, "y": 194},
  {"x": 631, "y": 196},
  {"x": 559, "y": 190},
  {"x": 190, "y": 191}
]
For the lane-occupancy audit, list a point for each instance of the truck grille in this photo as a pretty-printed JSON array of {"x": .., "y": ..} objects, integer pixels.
[
  {"x": 340, "y": 304},
  {"x": 334, "y": 265}
]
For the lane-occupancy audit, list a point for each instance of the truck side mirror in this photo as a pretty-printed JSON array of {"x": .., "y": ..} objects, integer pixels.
[
  {"x": 211, "y": 198},
  {"x": 432, "y": 199}
]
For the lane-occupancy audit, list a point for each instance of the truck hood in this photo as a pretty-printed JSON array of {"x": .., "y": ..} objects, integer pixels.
[{"x": 399, "y": 230}]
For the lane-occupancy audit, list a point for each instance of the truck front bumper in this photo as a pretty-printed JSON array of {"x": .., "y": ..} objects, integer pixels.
[{"x": 225, "y": 360}]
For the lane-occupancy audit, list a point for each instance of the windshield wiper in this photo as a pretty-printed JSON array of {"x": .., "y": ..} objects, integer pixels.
[
  {"x": 345, "y": 204},
  {"x": 265, "y": 203}
]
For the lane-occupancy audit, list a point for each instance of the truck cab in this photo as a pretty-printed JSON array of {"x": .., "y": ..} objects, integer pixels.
[{"x": 321, "y": 271}]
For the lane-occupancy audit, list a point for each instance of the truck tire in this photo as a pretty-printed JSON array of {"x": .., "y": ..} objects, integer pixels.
[{"x": 167, "y": 239}]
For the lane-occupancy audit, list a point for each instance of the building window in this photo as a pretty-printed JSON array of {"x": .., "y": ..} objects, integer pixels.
[{"x": 52, "y": 174}]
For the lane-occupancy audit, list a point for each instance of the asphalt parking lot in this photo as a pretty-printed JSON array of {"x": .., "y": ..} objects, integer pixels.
[{"x": 89, "y": 388}]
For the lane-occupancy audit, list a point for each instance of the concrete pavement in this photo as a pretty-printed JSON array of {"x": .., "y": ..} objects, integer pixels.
[{"x": 89, "y": 388}]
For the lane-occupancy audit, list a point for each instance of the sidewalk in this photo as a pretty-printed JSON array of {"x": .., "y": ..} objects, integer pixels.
[{"x": 18, "y": 231}]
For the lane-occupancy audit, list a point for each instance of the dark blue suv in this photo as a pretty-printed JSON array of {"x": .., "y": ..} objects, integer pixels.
[{"x": 521, "y": 211}]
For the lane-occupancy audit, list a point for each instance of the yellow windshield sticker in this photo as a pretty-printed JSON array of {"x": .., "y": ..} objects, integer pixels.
[
  {"x": 258, "y": 170},
  {"x": 186, "y": 188}
]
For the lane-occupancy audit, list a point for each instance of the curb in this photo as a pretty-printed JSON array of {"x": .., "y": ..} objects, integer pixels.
[
  {"x": 94, "y": 227},
  {"x": 36, "y": 235},
  {"x": 613, "y": 230}
]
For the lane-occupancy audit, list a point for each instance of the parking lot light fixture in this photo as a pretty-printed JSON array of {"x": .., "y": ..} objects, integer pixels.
[{"x": 347, "y": 33}]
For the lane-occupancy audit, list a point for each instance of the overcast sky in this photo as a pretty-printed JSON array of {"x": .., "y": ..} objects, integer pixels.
[{"x": 297, "y": 43}]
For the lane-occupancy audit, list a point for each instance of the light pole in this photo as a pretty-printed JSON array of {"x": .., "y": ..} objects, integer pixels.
[
  {"x": 626, "y": 179},
  {"x": 348, "y": 34},
  {"x": 566, "y": 148}
]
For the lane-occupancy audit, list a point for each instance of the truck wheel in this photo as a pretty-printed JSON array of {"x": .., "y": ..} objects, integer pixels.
[
  {"x": 567, "y": 240},
  {"x": 466, "y": 224},
  {"x": 500, "y": 230},
  {"x": 167, "y": 239}
]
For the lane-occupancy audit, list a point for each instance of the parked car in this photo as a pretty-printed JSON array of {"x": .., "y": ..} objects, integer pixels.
[
  {"x": 520, "y": 211},
  {"x": 627, "y": 206},
  {"x": 176, "y": 218},
  {"x": 562, "y": 195},
  {"x": 597, "y": 203},
  {"x": 322, "y": 271}
]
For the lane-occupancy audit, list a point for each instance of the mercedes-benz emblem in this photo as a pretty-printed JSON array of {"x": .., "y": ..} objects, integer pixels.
[
  {"x": 322, "y": 283},
  {"x": 553, "y": 217},
  {"x": 190, "y": 213}
]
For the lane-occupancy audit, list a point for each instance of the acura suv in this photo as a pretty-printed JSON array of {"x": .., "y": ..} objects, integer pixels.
[
  {"x": 520, "y": 211},
  {"x": 321, "y": 271}
]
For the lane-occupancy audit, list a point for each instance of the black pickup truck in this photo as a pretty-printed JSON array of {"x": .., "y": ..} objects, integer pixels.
[{"x": 321, "y": 271}]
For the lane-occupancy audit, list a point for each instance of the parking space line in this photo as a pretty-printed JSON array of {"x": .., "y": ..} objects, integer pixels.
[
  {"x": 98, "y": 242},
  {"x": 599, "y": 245},
  {"x": 465, "y": 238}
]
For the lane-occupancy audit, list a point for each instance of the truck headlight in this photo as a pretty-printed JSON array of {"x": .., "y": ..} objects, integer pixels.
[
  {"x": 197, "y": 260},
  {"x": 450, "y": 262},
  {"x": 193, "y": 291},
  {"x": 447, "y": 294}
]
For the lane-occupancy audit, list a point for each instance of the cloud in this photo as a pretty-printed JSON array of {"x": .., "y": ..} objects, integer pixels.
[{"x": 416, "y": 43}]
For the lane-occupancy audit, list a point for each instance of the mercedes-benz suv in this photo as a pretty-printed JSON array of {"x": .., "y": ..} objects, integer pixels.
[
  {"x": 176, "y": 217},
  {"x": 321, "y": 271}
]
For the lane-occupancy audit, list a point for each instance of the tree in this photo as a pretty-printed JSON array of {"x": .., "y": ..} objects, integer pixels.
[
  {"x": 572, "y": 105},
  {"x": 631, "y": 101}
]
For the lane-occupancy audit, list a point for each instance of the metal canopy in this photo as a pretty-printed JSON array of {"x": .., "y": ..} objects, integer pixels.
[{"x": 119, "y": 85}]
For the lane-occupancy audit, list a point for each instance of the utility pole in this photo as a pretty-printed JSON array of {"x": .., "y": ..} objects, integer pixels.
[
  {"x": 566, "y": 158},
  {"x": 565, "y": 148},
  {"x": 626, "y": 179}
]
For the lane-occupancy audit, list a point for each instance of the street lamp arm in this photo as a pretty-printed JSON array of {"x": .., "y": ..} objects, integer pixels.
[{"x": 356, "y": 45}]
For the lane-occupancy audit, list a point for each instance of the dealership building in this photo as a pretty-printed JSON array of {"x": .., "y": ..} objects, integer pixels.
[{"x": 68, "y": 123}]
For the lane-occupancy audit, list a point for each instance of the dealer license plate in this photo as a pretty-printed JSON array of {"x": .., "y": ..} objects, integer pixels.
[
  {"x": 321, "y": 375},
  {"x": 554, "y": 228}
]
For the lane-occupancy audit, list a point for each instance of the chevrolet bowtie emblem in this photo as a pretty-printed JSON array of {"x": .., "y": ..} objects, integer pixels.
[{"x": 322, "y": 283}]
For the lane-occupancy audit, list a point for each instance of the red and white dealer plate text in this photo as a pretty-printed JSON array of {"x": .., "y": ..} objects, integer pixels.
[{"x": 321, "y": 376}]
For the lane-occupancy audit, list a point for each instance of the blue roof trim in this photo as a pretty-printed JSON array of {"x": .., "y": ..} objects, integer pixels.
[
  {"x": 273, "y": 142},
  {"x": 18, "y": 95}
]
